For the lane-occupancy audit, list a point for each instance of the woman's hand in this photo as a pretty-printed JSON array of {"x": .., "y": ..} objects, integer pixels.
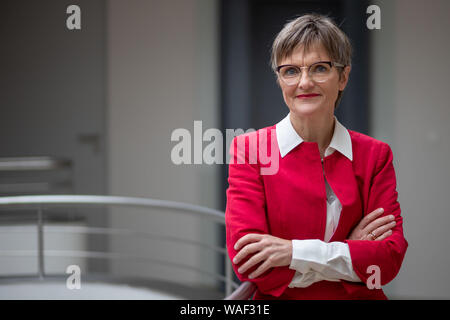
[
  {"x": 373, "y": 228},
  {"x": 268, "y": 250}
]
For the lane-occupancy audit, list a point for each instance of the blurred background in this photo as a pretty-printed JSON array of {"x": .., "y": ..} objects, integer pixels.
[{"x": 91, "y": 112}]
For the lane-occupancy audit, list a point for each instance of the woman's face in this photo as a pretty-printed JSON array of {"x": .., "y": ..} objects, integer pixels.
[{"x": 322, "y": 95}]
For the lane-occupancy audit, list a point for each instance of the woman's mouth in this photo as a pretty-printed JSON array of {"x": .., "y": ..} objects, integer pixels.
[{"x": 307, "y": 96}]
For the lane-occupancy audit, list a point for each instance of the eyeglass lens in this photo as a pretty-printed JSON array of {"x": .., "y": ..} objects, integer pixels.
[{"x": 318, "y": 72}]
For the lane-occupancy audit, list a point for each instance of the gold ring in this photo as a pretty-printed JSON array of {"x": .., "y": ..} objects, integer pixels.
[{"x": 373, "y": 236}]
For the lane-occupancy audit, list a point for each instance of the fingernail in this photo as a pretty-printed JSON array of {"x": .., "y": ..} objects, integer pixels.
[
  {"x": 250, "y": 276},
  {"x": 234, "y": 260},
  {"x": 381, "y": 210},
  {"x": 391, "y": 217}
]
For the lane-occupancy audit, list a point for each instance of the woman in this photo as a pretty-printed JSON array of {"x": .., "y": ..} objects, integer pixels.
[{"x": 327, "y": 223}]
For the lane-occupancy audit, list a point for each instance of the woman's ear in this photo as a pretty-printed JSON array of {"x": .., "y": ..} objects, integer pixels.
[{"x": 344, "y": 76}]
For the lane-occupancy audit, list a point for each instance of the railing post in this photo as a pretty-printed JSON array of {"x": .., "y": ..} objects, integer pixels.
[
  {"x": 228, "y": 276},
  {"x": 40, "y": 244}
]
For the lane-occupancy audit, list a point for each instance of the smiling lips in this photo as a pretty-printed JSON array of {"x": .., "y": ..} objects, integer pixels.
[{"x": 309, "y": 95}]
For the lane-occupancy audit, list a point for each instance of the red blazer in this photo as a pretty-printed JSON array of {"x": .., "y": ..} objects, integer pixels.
[{"x": 291, "y": 204}]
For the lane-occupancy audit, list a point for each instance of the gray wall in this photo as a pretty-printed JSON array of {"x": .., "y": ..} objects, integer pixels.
[
  {"x": 162, "y": 75},
  {"x": 411, "y": 112}
]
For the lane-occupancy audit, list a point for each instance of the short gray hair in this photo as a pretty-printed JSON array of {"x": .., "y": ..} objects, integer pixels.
[{"x": 308, "y": 30}]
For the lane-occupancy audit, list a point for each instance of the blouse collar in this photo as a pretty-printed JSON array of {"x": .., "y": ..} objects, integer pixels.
[{"x": 288, "y": 139}]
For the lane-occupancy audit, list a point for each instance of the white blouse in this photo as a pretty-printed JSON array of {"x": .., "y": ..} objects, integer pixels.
[{"x": 316, "y": 260}]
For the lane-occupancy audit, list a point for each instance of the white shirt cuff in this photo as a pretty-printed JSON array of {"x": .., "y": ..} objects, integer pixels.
[{"x": 315, "y": 260}]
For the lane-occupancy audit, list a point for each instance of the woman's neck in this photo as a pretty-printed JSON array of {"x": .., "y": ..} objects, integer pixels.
[{"x": 314, "y": 129}]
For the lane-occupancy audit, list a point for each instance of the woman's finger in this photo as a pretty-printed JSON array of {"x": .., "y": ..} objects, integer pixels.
[
  {"x": 246, "y": 250},
  {"x": 257, "y": 258},
  {"x": 384, "y": 228},
  {"x": 370, "y": 217},
  {"x": 386, "y": 220},
  {"x": 266, "y": 265},
  {"x": 248, "y": 238},
  {"x": 369, "y": 237},
  {"x": 384, "y": 235}
]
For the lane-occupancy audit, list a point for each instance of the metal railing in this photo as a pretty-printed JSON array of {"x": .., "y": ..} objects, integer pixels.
[{"x": 44, "y": 202}]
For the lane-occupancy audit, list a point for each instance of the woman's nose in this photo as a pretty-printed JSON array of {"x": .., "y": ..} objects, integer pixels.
[{"x": 305, "y": 82}]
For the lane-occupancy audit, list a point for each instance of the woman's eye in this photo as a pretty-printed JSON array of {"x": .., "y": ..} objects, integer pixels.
[
  {"x": 320, "y": 68},
  {"x": 290, "y": 72}
]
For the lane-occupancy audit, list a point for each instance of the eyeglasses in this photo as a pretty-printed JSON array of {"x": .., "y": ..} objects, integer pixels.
[{"x": 317, "y": 72}]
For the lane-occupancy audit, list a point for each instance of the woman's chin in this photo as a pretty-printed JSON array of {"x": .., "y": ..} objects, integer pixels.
[{"x": 306, "y": 109}]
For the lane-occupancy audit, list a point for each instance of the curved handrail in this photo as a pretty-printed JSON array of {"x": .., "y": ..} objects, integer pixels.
[
  {"x": 244, "y": 291},
  {"x": 43, "y": 201}
]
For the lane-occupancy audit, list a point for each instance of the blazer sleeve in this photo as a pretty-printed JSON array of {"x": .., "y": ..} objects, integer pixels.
[
  {"x": 246, "y": 213},
  {"x": 387, "y": 254}
]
